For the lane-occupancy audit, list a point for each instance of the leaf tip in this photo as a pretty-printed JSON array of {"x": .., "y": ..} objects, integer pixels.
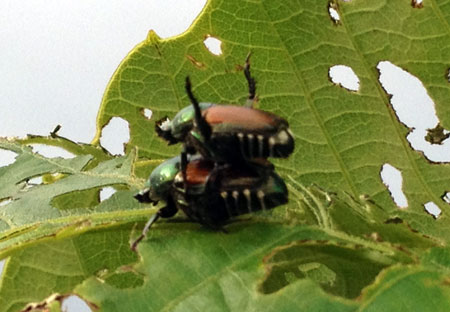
[{"x": 152, "y": 37}]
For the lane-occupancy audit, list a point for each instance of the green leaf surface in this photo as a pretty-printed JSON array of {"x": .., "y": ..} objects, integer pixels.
[
  {"x": 340, "y": 244},
  {"x": 408, "y": 289},
  {"x": 343, "y": 138},
  {"x": 35, "y": 211},
  {"x": 58, "y": 266},
  {"x": 200, "y": 269}
]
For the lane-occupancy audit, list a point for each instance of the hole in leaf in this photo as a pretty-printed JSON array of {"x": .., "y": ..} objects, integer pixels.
[
  {"x": 432, "y": 209},
  {"x": 339, "y": 270},
  {"x": 45, "y": 304},
  {"x": 392, "y": 178},
  {"x": 410, "y": 100},
  {"x": 35, "y": 181},
  {"x": 446, "y": 197},
  {"x": 5, "y": 201},
  {"x": 106, "y": 193},
  {"x": 2, "y": 265},
  {"x": 46, "y": 178},
  {"x": 147, "y": 113},
  {"x": 115, "y": 135},
  {"x": 334, "y": 14},
  {"x": 78, "y": 199},
  {"x": 51, "y": 151},
  {"x": 433, "y": 152},
  {"x": 414, "y": 108},
  {"x": 213, "y": 45},
  {"x": 74, "y": 303},
  {"x": 7, "y": 157},
  {"x": 417, "y": 3},
  {"x": 344, "y": 76}
]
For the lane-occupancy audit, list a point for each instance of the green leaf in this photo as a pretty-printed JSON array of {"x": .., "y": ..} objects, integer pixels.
[
  {"x": 340, "y": 244},
  {"x": 408, "y": 289},
  {"x": 61, "y": 265},
  {"x": 339, "y": 269},
  {"x": 35, "y": 211},
  {"x": 343, "y": 138},
  {"x": 198, "y": 269}
]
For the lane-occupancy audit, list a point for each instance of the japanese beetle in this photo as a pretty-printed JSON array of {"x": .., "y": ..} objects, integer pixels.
[
  {"x": 212, "y": 194},
  {"x": 227, "y": 133}
]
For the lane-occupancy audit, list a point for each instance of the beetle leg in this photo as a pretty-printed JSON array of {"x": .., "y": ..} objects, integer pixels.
[
  {"x": 147, "y": 226},
  {"x": 184, "y": 168},
  {"x": 251, "y": 83},
  {"x": 166, "y": 212},
  {"x": 203, "y": 126}
]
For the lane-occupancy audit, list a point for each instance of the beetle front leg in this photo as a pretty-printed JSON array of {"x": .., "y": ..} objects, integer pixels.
[
  {"x": 149, "y": 223},
  {"x": 166, "y": 212}
]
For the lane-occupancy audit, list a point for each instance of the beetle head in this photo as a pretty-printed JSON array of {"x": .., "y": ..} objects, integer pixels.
[
  {"x": 163, "y": 128},
  {"x": 146, "y": 196}
]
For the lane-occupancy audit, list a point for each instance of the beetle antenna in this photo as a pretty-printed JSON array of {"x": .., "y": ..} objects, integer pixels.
[
  {"x": 149, "y": 223},
  {"x": 251, "y": 82},
  {"x": 203, "y": 126}
]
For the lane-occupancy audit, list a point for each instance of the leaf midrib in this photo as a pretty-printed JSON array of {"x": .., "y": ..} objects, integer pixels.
[{"x": 312, "y": 108}]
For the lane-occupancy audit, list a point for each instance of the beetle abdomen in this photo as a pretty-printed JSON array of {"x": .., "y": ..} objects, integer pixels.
[
  {"x": 249, "y": 145},
  {"x": 237, "y": 193},
  {"x": 236, "y": 203}
]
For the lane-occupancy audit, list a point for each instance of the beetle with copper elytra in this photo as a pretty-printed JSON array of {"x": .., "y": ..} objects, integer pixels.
[
  {"x": 211, "y": 194},
  {"x": 223, "y": 171},
  {"x": 228, "y": 133}
]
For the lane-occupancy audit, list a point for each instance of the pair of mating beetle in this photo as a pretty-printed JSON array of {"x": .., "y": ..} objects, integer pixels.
[{"x": 223, "y": 170}]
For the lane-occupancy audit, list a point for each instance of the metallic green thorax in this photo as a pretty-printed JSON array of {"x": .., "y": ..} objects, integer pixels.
[
  {"x": 183, "y": 122},
  {"x": 161, "y": 179}
]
